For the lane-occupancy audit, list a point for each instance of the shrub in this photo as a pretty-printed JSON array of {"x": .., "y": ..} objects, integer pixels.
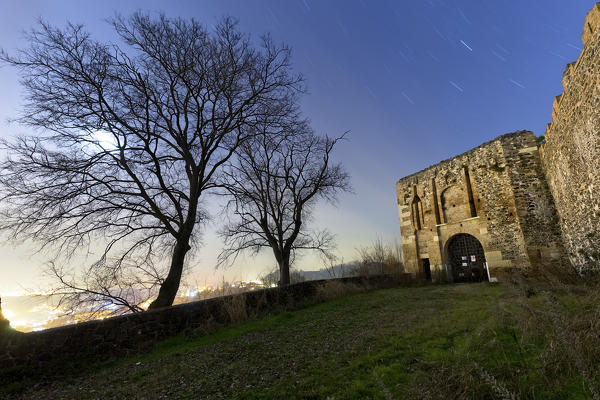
[
  {"x": 333, "y": 289},
  {"x": 235, "y": 307},
  {"x": 380, "y": 259},
  {"x": 562, "y": 313}
]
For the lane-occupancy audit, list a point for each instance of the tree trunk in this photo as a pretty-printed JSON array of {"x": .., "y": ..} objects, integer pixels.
[
  {"x": 170, "y": 286},
  {"x": 284, "y": 270}
]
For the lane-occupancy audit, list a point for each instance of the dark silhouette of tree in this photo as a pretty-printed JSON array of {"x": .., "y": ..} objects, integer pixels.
[
  {"x": 131, "y": 135},
  {"x": 279, "y": 176}
]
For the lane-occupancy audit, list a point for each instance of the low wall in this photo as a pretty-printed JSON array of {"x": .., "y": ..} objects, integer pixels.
[{"x": 73, "y": 345}]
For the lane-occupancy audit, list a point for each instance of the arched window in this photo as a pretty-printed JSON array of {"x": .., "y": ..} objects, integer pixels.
[
  {"x": 417, "y": 211},
  {"x": 472, "y": 208}
]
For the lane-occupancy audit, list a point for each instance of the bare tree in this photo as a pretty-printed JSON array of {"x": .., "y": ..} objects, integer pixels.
[
  {"x": 379, "y": 258},
  {"x": 274, "y": 277},
  {"x": 330, "y": 266},
  {"x": 131, "y": 135},
  {"x": 278, "y": 178}
]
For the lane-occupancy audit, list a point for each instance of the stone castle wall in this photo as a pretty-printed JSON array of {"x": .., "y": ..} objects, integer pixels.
[
  {"x": 495, "y": 192},
  {"x": 526, "y": 206},
  {"x": 536, "y": 211},
  {"x": 571, "y": 154}
]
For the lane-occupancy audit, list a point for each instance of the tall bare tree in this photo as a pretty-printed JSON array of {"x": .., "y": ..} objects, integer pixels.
[
  {"x": 132, "y": 134},
  {"x": 278, "y": 178}
]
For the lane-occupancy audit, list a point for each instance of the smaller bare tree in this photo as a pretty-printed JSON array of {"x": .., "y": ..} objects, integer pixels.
[
  {"x": 379, "y": 258},
  {"x": 334, "y": 267},
  {"x": 274, "y": 186}
]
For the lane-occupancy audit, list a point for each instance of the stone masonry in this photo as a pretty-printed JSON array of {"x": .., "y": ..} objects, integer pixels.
[
  {"x": 571, "y": 154},
  {"x": 495, "y": 193},
  {"x": 507, "y": 203}
]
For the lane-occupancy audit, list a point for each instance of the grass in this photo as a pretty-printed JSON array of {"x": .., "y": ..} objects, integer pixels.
[{"x": 451, "y": 341}]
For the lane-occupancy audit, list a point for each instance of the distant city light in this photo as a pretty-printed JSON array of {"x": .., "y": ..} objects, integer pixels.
[
  {"x": 146, "y": 304},
  {"x": 45, "y": 314}
]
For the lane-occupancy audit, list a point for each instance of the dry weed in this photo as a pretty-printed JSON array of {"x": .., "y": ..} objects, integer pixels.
[
  {"x": 236, "y": 308},
  {"x": 333, "y": 289},
  {"x": 497, "y": 387},
  {"x": 564, "y": 311},
  {"x": 380, "y": 259}
]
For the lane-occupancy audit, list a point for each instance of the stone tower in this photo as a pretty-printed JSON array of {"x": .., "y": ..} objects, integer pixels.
[
  {"x": 571, "y": 154},
  {"x": 481, "y": 211}
]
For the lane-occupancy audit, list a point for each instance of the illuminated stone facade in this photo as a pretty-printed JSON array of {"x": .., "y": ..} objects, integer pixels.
[
  {"x": 507, "y": 201},
  {"x": 492, "y": 199},
  {"x": 571, "y": 154}
]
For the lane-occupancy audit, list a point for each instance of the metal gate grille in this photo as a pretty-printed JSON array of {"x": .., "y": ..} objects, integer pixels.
[{"x": 467, "y": 258}]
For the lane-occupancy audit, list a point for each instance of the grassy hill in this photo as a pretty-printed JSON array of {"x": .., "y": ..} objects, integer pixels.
[{"x": 448, "y": 341}]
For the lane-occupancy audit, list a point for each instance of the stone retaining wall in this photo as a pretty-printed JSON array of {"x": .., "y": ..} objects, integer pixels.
[{"x": 104, "y": 339}]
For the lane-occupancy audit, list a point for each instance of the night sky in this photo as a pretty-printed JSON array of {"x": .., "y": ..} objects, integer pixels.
[{"x": 414, "y": 82}]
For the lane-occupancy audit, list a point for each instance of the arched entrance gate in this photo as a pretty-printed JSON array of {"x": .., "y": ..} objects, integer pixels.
[{"x": 467, "y": 258}]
